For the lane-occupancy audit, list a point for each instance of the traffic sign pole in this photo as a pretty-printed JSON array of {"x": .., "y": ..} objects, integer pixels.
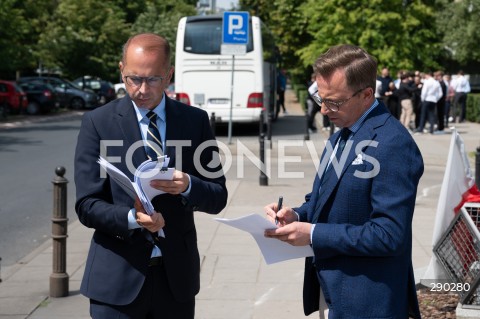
[
  {"x": 230, "y": 122},
  {"x": 234, "y": 41}
]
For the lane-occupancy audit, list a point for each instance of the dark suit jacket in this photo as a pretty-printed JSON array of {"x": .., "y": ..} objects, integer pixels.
[
  {"x": 363, "y": 238},
  {"x": 118, "y": 257}
]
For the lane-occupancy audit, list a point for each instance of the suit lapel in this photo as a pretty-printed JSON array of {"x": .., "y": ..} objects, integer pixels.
[
  {"x": 128, "y": 123},
  {"x": 173, "y": 133},
  {"x": 364, "y": 135}
]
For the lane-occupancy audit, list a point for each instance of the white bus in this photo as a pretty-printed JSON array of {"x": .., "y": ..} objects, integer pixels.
[{"x": 203, "y": 76}]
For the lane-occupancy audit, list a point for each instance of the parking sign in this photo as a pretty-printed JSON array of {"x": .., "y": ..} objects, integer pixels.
[{"x": 235, "y": 27}]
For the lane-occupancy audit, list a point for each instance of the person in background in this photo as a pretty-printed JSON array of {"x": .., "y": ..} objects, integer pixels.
[
  {"x": 358, "y": 224},
  {"x": 132, "y": 272},
  {"x": 430, "y": 95},
  {"x": 441, "y": 103},
  {"x": 312, "y": 108},
  {"x": 417, "y": 99},
  {"x": 391, "y": 101},
  {"x": 281, "y": 88},
  {"x": 398, "y": 80},
  {"x": 462, "y": 87},
  {"x": 404, "y": 94},
  {"x": 447, "y": 79},
  {"x": 385, "y": 79},
  {"x": 378, "y": 89}
]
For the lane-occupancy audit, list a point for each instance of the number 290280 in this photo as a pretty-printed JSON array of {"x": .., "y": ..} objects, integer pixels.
[{"x": 449, "y": 287}]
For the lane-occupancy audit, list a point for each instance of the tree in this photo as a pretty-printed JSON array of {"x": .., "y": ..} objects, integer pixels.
[
  {"x": 459, "y": 21},
  {"x": 288, "y": 24},
  {"x": 85, "y": 38},
  {"x": 401, "y": 35},
  {"x": 13, "y": 30},
  {"x": 161, "y": 17}
]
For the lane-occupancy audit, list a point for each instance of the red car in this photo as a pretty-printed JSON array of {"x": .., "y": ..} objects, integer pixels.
[{"x": 13, "y": 97}]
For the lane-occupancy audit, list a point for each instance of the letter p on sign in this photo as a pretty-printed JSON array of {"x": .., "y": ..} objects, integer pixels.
[{"x": 235, "y": 22}]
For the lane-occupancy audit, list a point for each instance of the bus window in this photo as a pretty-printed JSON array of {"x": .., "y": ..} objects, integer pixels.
[{"x": 205, "y": 37}]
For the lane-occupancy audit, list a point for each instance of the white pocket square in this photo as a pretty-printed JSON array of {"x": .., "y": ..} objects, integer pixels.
[{"x": 358, "y": 160}]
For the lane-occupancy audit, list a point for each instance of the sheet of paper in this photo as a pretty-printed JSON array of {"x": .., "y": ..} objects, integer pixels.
[
  {"x": 147, "y": 173},
  {"x": 273, "y": 250},
  {"x": 118, "y": 176}
]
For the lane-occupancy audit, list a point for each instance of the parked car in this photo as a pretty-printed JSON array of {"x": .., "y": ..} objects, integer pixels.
[
  {"x": 42, "y": 97},
  {"x": 120, "y": 90},
  {"x": 104, "y": 89},
  {"x": 68, "y": 93},
  {"x": 12, "y": 97}
]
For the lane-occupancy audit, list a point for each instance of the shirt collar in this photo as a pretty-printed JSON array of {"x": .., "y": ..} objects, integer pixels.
[
  {"x": 159, "y": 110},
  {"x": 356, "y": 126}
]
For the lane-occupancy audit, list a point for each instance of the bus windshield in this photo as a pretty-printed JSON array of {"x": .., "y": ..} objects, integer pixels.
[{"x": 205, "y": 37}]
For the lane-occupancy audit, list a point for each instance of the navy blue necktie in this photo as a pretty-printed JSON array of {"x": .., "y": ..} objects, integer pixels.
[
  {"x": 154, "y": 146},
  {"x": 344, "y": 134}
]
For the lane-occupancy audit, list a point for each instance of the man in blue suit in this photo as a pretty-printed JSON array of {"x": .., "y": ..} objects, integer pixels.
[
  {"x": 358, "y": 217},
  {"x": 130, "y": 271}
]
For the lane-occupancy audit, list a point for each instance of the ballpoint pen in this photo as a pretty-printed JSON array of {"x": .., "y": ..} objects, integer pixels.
[{"x": 279, "y": 206}]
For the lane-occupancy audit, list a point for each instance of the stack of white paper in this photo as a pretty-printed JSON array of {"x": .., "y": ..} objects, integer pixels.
[{"x": 146, "y": 172}]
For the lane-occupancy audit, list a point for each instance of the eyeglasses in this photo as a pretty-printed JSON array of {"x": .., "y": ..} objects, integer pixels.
[
  {"x": 137, "y": 81},
  {"x": 333, "y": 105}
]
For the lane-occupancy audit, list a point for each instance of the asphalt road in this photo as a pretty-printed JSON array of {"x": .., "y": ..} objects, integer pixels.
[{"x": 29, "y": 154}]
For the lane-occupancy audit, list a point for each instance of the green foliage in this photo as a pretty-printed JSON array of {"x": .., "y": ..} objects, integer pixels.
[
  {"x": 400, "y": 37},
  {"x": 460, "y": 23},
  {"x": 161, "y": 17},
  {"x": 13, "y": 32},
  {"x": 84, "y": 38},
  {"x": 473, "y": 108}
]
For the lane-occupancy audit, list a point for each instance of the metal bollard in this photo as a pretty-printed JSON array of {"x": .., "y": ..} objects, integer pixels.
[
  {"x": 261, "y": 123},
  {"x": 0, "y": 269},
  {"x": 263, "y": 176},
  {"x": 306, "y": 137},
  {"x": 269, "y": 128},
  {"x": 212, "y": 123},
  {"x": 59, "y": 277},
  {"x": 477, "y": 168}
]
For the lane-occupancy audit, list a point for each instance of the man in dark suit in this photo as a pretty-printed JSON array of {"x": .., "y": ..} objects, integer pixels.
[
  {"x": 358, "y": 216},
  {"x": 131, "y": 272}
]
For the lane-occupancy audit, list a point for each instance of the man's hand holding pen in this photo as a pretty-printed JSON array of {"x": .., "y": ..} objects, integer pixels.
[
  {"x": 280, "y": 217},
  {"x": 288, "y": 228}
]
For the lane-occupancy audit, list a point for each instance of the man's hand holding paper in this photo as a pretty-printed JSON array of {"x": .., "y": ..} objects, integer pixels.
[
  {"x": 290, "y": 230},
  {"x": 272, "y": 250},
  {"x": 177, "y": 185},
  {"x": 152, "y": 223}
]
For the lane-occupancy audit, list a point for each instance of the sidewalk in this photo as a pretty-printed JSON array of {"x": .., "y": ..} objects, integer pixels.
[{"x": 235, "y": 281}]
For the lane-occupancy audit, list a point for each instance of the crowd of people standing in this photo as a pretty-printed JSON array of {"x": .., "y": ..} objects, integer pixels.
[{"x": 416, "y": 98}]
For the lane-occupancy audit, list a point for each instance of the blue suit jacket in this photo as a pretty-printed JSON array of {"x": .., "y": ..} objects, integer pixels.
[
  {"x": 363, "y": 236},
  {"x": 118, "y": 257}
]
